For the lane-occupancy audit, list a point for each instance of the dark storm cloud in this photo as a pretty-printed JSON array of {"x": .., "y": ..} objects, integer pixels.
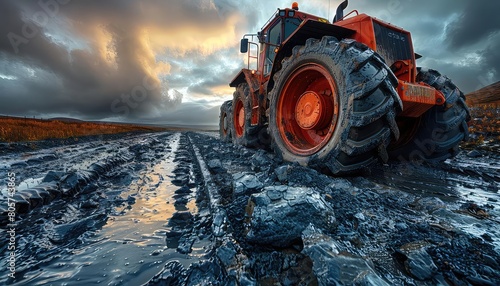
[
  {"x": 115, "y": 71},
  {"x": 90, "y": 84},
  {"x": 477, "y": 22},
  {"x": 204, "y": 115},
  {"x": 207, "y": 74},
  {"x": 491, "y": 55},
  {"x": 210, "y": 79},
  {"x": 478, "y": 28},
  {"x": 104, "y": 59},
  {"x": 456, "y": 37}
]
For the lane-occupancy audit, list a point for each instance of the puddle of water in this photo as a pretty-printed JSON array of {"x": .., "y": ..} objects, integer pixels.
[
  {"x": 132, "y": 245},
  {"x": 130, "y": 248},
  {"x": 455, "y": 190}
]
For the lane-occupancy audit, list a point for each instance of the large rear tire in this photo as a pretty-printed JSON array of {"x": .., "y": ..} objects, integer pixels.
[
  {"x": 244, "y": 133},
  {"x": 225, "y": 121},
  {"x": 435, "y": 136},
  {"x": 333, "y": 106}
]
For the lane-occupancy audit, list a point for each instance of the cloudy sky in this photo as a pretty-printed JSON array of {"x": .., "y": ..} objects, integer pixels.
[{"x": 170, "y": 61}]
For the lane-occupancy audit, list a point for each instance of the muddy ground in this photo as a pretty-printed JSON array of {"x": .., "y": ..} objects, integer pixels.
[{"x": 186, "y": 209}]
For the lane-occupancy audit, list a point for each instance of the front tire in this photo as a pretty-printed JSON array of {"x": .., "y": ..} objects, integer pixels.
[
  {"x": 244, "y": 133},
  {"x": 435, "y": 136},
  {"x": 333, "y": 106},
  {"x": 225, "y": 121}
]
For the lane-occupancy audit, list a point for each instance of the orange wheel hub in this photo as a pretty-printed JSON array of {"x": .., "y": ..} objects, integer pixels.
[
  {"x": 239, "y": 118},
  {"x": 307, "y": 109},
  {"x": 310, "y": 109}
]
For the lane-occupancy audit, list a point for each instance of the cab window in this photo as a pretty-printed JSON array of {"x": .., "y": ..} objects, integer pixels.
[
  {"x": 291, "y": 24},
  {"x": 274, "y": 39}
]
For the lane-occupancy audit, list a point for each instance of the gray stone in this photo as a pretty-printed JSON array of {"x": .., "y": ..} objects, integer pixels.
[
  {"x": 65, "y": 232},
  {"x": 333, "y": 266},
  {"x": 227, "y": 254},
  {"x": 431, "y": 204},
  {"x": 260, "y": 159},
  {"x": 474, "y": 154},
  {"x": 52, "y": 176},
  {"x": 282, "y": 173},
  {"x": 181, "y": 218},
  {"x": 33, "y": 197},
  {"x": 22, "y": 203},
  {"x": 215, "y": 164},
  {"x": 418, "y": 262},
  {"x": 360, "y": 216},
  {"x": 245, "y": 184},
  {"x": 172, "y": 237},
  {"x": 219, "y": 224},
  {"x": 89, "y": 204},
  {"x": 278, "y": 215},
  {"x": 172, "y": 274},
  {"x": 71, "y": 182},
  {"x": 185, "y": 245},
  {"x": 203, "y": 273}
]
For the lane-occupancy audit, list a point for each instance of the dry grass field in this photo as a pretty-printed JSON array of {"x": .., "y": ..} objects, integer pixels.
[{"x": 13, "y": 129}]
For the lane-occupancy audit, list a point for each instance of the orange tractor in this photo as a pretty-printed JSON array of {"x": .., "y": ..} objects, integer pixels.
[{"x": 340, "y": 96}]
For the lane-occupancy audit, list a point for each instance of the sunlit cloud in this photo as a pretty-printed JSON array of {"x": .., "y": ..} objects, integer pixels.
[{"x": 146, "y": 59}]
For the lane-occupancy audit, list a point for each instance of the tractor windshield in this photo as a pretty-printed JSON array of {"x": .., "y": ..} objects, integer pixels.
[
  {"x": 291, "y": 24},
  {"x": 274, "y": 40},
  {"x": 275, "y": 37}
]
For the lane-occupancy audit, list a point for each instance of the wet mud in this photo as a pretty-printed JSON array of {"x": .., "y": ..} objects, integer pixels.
[{"x": 187, "y": 209}]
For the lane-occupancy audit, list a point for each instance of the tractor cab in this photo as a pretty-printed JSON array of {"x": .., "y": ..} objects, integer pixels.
[
  {"x": 341, "y": 95},
  {"x": 273, "y": 34}
]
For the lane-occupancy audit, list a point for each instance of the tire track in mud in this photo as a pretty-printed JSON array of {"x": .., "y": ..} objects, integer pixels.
[
  {"x": 62, "y": 218},
  {"x": 221, "y": 261},
  {"x": 111, "y": 218},
  {"x": 63, "y": 185},
  {"x": 187, "y": 209},
  {"x": 30, "y": 166}
]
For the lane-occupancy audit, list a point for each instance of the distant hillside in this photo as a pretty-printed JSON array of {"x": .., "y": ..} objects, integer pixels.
[
  {"x": 15, "y": 129},
  {"x": 486, "y": 95},
  {"x": 66, "y": 119}
]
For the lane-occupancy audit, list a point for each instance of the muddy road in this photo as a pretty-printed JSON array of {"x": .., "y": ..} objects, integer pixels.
[{"x": 186, "y": 209}]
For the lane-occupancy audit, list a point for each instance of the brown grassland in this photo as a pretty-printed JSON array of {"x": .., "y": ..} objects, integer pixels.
[
  {"x": 485, "y": 124},
  {"x": 13, "y": 129}
]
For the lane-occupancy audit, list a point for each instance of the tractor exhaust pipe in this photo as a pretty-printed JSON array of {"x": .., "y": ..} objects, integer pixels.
[{"x": 340, "y": 11}]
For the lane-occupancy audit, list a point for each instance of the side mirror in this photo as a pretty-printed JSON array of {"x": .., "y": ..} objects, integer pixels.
[{"x": 244, "y": 46}]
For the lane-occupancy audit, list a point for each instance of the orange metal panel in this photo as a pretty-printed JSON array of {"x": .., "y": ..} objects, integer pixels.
[
  {"x": 418, "y": 98},
  {"x": 363, "y": 26}
]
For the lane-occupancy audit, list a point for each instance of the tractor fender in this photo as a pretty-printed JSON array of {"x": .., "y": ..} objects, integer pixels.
[
  {"x": 248, "y": 77},
  {"x": 307, "y": 30}
]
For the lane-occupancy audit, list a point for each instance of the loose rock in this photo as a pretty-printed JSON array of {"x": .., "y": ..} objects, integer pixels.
[
  {"x": 418, "y": 262},
  {"x": 333, "y": 267},
  {"x": 245, "y": 184},
  {"x": 278, "y": 215}
]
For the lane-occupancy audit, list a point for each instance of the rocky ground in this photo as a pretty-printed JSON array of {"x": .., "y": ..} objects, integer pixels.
[{"x": 187, "y": 209}]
